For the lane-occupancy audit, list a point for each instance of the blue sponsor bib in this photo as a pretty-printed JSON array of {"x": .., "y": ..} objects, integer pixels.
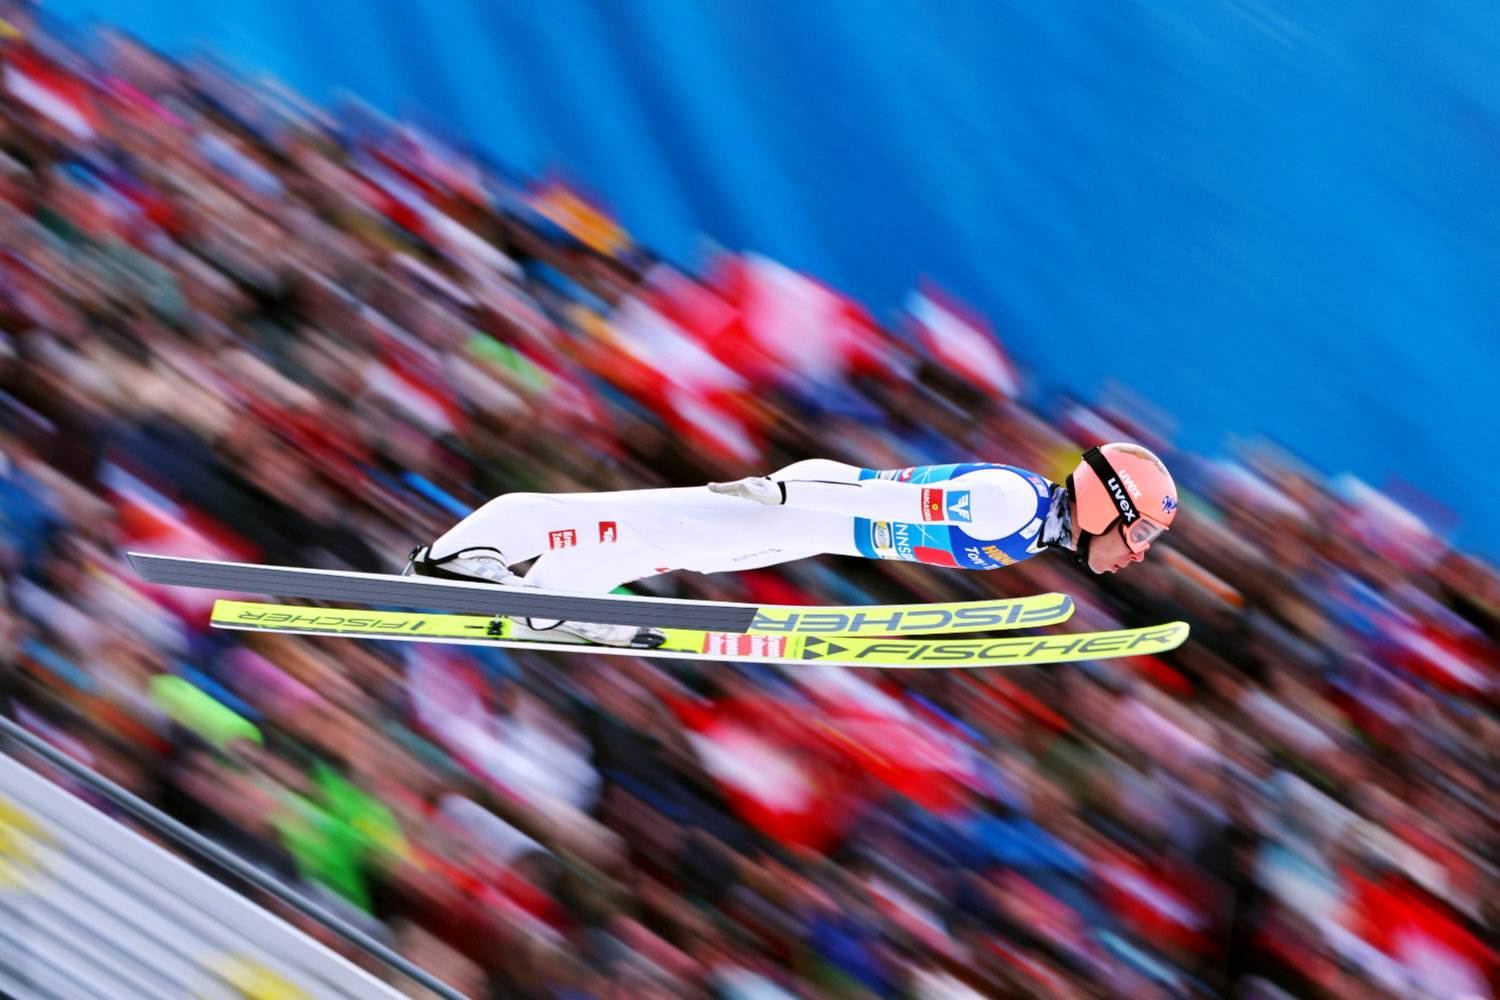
[{"x": 948, "y": 544}]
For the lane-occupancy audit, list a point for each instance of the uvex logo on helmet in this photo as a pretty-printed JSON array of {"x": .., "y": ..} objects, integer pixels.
[{"x": 1127, "y": 509}]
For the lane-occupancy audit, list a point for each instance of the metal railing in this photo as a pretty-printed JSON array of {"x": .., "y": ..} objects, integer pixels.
[{"x": 109, "y": 930}]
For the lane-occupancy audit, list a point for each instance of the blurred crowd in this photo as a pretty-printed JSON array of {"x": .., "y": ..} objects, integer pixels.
[{"x": 235, "y": 326}]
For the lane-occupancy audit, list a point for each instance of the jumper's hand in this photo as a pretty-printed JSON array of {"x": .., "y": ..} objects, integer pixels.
[{"x": 761, "y": 489}]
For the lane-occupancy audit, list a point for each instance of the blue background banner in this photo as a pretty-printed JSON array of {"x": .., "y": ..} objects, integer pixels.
[{"x": 1265, "y": 215}]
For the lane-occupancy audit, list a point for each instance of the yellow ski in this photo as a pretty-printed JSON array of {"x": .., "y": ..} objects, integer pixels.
[{"x": 794, "y": 648}]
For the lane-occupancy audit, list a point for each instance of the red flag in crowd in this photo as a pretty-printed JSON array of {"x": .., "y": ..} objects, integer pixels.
[{"x": 960, "y": 340}]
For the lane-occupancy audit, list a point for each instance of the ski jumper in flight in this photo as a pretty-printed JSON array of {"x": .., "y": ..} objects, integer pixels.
[{"x": 969, "y": 516}]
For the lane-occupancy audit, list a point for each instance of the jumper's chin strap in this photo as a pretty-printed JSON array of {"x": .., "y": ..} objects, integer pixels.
[{"x": 1081, "y": 550}]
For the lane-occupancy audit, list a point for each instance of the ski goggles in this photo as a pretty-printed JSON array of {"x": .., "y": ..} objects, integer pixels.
[
  {"x": 1140, "y": 533},
  {"x": 1137, "y": 529}
]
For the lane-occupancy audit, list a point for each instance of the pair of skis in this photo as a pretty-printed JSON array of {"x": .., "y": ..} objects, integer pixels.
[{"x": 470, "y": 613}]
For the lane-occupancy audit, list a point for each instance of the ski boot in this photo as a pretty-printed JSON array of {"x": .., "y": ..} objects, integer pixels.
[{"x": 489, "y": 566}]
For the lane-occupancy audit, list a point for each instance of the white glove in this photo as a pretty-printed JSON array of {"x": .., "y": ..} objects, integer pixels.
[{"x": 761, "y": 489}]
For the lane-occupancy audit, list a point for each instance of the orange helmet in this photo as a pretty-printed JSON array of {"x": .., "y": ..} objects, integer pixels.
[{"x": 1125, "y": 485}]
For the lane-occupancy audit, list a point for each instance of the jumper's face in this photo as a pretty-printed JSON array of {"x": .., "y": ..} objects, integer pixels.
[{"x": 1108, "y": 552}]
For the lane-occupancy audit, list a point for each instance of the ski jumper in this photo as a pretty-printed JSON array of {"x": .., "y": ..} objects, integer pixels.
[{"x": 970, "y": 516}]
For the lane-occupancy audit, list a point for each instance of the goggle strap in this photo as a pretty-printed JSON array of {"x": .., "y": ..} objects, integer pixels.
[{"x": 1112, "y": 485}]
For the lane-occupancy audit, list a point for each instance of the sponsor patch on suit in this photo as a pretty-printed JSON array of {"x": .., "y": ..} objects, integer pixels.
[
  {"x": 932, "y": 504},
  {"x": 958, "y": 506}
]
